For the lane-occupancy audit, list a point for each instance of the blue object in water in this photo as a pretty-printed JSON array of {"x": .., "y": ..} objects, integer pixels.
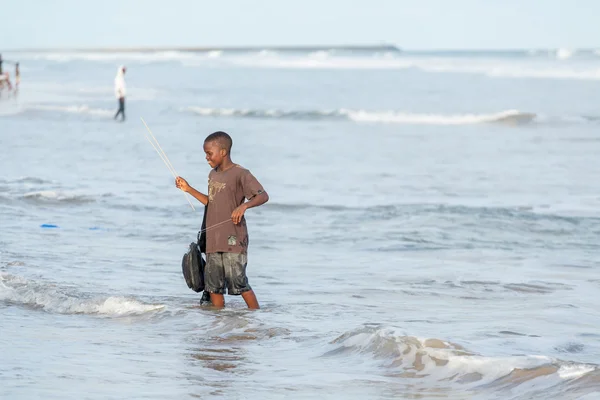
[{"x": 48, "y": 226}]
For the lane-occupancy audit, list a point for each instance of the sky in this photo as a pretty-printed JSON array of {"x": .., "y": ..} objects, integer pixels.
[{"x": 409, "y": 24}]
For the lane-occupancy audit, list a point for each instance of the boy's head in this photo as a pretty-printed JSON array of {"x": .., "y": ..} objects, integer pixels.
[{"x": 217, "y": 147}]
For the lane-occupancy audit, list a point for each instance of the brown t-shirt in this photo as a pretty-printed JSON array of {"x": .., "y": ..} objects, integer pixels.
[{"x": 226, "y": 191}]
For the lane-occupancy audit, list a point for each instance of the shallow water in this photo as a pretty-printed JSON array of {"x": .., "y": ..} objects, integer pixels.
[{"x": 417, "y": 244}]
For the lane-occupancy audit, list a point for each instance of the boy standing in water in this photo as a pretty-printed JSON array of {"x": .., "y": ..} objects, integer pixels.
[{"x": 229, "y": 185}]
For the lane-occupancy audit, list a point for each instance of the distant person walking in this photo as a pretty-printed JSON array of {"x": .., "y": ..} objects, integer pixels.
[
  {"x": 4, "y": 77},
  {"x": 17, "y": 75},
  {"x": 17, "y": 78},
  {"x": 120, "y": 91}
]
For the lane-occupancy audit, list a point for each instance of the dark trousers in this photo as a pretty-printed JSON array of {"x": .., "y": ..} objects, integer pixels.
[{"x": 121, "y": 109}]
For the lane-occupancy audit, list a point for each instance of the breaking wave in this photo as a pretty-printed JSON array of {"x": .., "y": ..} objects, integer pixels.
[
  {"x": 73, "y": 109},
  {"x": 57, "y": 196},
  {"x": 26, "y": 180},
  {"x": 51, "y": 298},
  {"x": 561, "y": 63},
  {"x": 487, "y": 67},
  {"x": 445, "y": 363},
  {"x": 506, "y": 117},
  {"x": 509, "y": 117}
]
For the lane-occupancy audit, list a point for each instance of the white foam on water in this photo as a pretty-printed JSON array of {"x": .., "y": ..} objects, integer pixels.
[
  {"x": 574, "y": 371},
  {"x": 319, "y": 55},
  {"x": 508, "y": 116},
  {"x": 146, "y": 57},
  {"x": 547, "y": 69},
  {"x": 120, "y": 306},
  {"x": 214, "y": 54},
  {"x": 74, "y": 109},
  {"x": 26, "y": 180},
  {"x": 57, "y": 196},
  {"x": 563, "y": 54},
  {"x": 438, "y": 360},
  {"x": 81, "y": 93},
  {"x": 51, "y": 298},
  {"x": 439, "y": 119},
  {"x": 560, "y": 64}
]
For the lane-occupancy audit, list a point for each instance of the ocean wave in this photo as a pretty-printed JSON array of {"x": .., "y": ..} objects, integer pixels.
[
  {"x": 563, "y": 54},
  {"x": 420, "y": 227},
  {"x": 57, "y": 196},
  {"x": 443, "y": 362},
  {"x": 239, "y": 327},
  {"x": 527, "y": 214},
  {"x": 178, "y": 53},
  {"x": 509, "y": 117},
  {"x": 559, "y": 63},
  {"x": 386, "y": 211},
  {"x": 167, "y": 54},
  {"x": 51, "y": 298},
  {"x": 26, "y": 180},
  {"x": 554, "y": 68},
  {"x": 506, "y": 117},
  {"x": 86, "y": 93},
  {"x": 142, "y": 57},
  {"x": 72, "y": 109}
]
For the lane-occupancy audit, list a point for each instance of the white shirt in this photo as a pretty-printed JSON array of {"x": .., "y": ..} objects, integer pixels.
[{"x": 120, "y": 84}]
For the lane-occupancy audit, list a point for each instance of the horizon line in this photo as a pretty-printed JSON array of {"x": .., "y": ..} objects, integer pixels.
[
  {"x": 284, "y": 48},
  {"x": 147, "y": 49}
]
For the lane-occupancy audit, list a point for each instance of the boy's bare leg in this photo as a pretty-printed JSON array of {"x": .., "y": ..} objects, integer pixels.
[
  {"x": 250, "y": 299},
  {"x": 217, "y": 300}
]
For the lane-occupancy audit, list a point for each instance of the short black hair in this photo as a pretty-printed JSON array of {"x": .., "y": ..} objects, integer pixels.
[{"x": 222, "y": 138}]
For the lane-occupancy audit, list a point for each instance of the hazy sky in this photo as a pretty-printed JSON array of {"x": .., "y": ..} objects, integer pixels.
[{"x": 410, "y": 24}]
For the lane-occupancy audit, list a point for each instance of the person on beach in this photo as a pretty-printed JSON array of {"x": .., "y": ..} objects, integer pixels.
[
  {"x": 4, "y": 77},
  {"x": 229, "y": 186},
  {"x": 17, "y": 76},
  {"x": 120, "y": 91}
]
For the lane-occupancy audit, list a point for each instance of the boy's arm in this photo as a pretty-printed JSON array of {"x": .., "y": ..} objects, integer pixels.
[
  {"x": 201, "y": 197},
  {"x": 183, "y": 185},
  {"x": 256, "y": 201}
]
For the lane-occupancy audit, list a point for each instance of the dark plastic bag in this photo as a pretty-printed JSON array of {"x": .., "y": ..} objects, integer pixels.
[
  {"x": 193, "y": 263},
  {"x": 192, "y": 266}
]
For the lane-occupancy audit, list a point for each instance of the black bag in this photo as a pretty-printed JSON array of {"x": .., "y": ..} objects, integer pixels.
[
  {"x": 193, "y": 263},
  {"x": 193, "y": 268}
]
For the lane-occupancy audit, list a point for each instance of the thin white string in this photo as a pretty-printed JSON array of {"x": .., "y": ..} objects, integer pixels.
[
  {"x": 163, "y": 156},
  {"x": 165, "y": 159},
  {"x": 168, "y": 162},
  {"x": 215, "y": 225}
]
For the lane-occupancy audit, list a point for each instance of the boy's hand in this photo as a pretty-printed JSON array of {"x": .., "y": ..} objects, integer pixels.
[
  {"x": 182, "y": 184},
  {"x": 238, "y": 213}
]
